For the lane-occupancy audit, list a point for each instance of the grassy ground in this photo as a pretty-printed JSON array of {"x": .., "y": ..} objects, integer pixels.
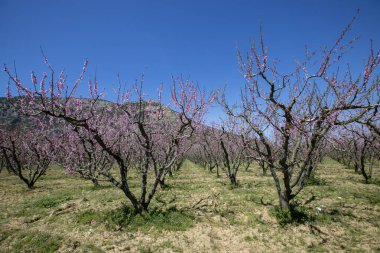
[{"x": 197, "y": 212}]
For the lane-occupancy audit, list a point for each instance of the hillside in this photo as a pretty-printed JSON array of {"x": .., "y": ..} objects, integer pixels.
[{"x": 11, "y": 117}]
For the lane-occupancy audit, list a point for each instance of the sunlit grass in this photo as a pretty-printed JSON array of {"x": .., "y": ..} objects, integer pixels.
[{"x": 70, "y": 213}]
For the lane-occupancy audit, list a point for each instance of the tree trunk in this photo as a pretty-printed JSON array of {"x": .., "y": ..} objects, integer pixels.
[
  {"x": 30, "y": 185},
  {"x": 265, "y": 169},
  {"x": 233, "y": 179},
  {"x": 362, "y": 169},
  {"x": 95, "y": 181},
  {"x": 162, "y": 183},
  {"x": 137, "y": 205},
  {"x": 284, "y": 202},
  {"x": 356, "y": 166}
]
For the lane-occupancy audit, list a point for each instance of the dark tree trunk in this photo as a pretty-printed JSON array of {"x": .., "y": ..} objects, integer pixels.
[
  {"x": 138, "y": 206},
  {"x": 363, "y": 172},
  {"x": 95, "y": 181},
  {"x": 162, "y": 183},
  {"x": 233, "y": 179},
  {"x": 30, "y": 185},
  {"x": 356, "y": 167},
  {"x": 284, "y": 202}
]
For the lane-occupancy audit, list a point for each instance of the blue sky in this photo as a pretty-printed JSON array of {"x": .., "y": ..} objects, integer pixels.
[{"x": 195, "y": 39}]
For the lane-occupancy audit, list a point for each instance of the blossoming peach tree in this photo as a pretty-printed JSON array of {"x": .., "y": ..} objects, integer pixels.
[
  {"x": 357, "y": 146},
  {"x": 28, "y": 154},
  {"x": 289, "y": 114},
  {"x": 141, "y": 134}
]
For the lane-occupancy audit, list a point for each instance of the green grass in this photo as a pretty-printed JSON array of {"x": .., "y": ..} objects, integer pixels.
[
  {"x": 145, "y": 250},
  {"x": 4, "y": 234},
  {"x": 36, "y": 242},
  {"x": 374, "y": 181},
  {"x": 126, "y": 218},
  {"x": 51, "y": 201},
  {"x": 89, "y": 216},
  {"x": 171, "y": 219},
  {"x": 169, "y": 246},
  {"x": 91, "y": 248},
  {"x": 296, "y": 214},
  {"x": 100, "y": 187},
  {"x": 248, "y": 238},
  {"x": 41, "y": 204},
  {"x": 316, "y": 248},
  {"x": 372, "y": 198},
  {"x": 314, "y": 179},
  {"x": 198, "y": 212}
]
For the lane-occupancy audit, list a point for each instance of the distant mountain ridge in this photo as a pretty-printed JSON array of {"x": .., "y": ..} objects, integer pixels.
[{"x": 9, "y": 116}]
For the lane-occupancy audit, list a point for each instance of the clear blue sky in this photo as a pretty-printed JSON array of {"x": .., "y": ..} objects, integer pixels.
[{"x": 197, "y": 39}]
